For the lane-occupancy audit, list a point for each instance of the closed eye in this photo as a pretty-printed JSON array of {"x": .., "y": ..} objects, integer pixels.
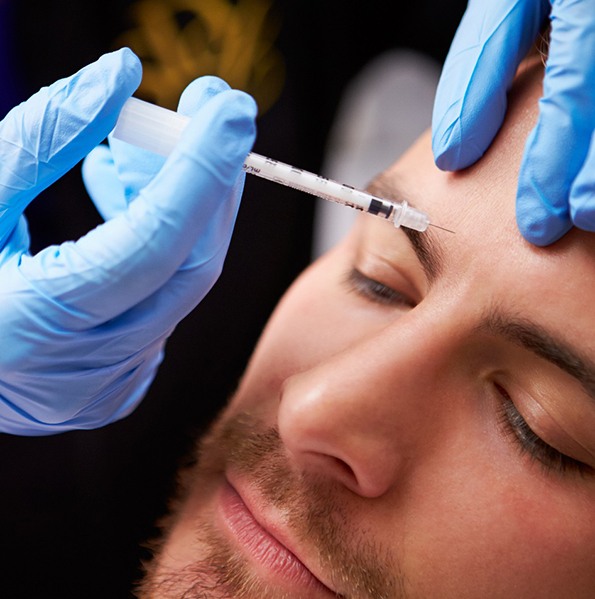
[
  {"x": 376, "y": 291},
  {"x": 515, "y": 426}
]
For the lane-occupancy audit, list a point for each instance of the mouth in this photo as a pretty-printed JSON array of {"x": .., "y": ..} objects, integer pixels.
[{"x": 261, "y": 543}]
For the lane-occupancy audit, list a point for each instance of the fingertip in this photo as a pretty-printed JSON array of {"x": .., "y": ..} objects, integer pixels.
[
  {"x": 119, "y": 71},
  {"x": 246, "y": 103},
  {"x": 441, "y": 153},
  {"x": 455, "y": 157},
  {"x": 454, "y": 149},
  {"x": 131, "y": 64},
  {"x": 128, "y": 55},
  {"x": 537, "y": 232},
  {"x": 446, "y": 157},
  {"x": 538, "y": 222},
  {"x": 199, "y": 92}
]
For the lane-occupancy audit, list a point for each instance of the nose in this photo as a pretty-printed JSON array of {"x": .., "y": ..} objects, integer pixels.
[{"x": 360, "y": 417}]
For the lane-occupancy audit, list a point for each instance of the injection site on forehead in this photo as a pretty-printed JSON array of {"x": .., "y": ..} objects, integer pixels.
[{"x": 426, "y": 245}]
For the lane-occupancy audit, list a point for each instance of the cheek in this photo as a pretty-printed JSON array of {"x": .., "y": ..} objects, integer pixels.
[{"x": 490, "y": 532}]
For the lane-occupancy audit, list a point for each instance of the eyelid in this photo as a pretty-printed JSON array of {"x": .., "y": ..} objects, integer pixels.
[
  {"x": 387, "y": 254},
  {"x": 528, "y": 442},
  {"x": 376, "y": 291},
  {"x": 567, "y": 442}
]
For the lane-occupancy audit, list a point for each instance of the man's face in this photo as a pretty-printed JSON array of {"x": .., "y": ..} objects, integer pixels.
[{"x": 417, "y": 419}]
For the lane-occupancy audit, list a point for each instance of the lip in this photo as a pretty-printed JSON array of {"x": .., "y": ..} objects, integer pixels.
[{"x": 266, "y": 545}]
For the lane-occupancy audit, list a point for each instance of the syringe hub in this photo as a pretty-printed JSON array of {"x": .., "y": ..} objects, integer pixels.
[{"x": 405, "y": 216}]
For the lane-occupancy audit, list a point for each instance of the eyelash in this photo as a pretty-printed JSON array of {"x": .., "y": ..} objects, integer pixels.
[
  {"x": 515, "y": 426},
  {"x": 375, "y": 291}
]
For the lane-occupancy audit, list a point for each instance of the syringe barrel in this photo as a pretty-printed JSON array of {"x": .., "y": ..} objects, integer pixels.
[
  {"x": 149, "y": 126},
  {"x": 317, "y": 185}
]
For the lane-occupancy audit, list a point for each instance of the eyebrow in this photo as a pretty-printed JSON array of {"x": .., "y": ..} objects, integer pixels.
[
  {"x": 536, "y": 339},
  {"x": 425, "y": 245}
]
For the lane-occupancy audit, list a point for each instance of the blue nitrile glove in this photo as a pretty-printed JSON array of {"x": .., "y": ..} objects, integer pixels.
[
  {"x": 556, "y": 187},
  {"x": 83, "y": 324}
]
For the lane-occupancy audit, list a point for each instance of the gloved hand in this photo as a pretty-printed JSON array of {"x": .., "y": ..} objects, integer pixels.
[
  {"x": 556, "y": 187},
  {"x": 83, "y": 324}
]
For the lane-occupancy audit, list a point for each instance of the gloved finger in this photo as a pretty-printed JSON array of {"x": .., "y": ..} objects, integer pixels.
[
  {"x": 582, "y": 193},
  {"x": 470, "y": 103},
  {"x": 102, "y": 182},
  {"x": 44, "y": 137},
  {"x": 558, "y": 146},
  {"x": 137, "y": 167},
  {"x": 114, "y": 176},
  {"x": 128, "y": 258}
]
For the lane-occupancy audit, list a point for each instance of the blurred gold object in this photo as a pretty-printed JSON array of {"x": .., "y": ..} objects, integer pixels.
[{"x": 179, "y": 40}]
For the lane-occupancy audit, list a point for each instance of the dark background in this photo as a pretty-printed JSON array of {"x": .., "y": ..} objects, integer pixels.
[{"x": 75, "y": 507}]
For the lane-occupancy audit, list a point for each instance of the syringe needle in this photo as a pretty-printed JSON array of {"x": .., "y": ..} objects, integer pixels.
[{"x": 441, "y": 228}]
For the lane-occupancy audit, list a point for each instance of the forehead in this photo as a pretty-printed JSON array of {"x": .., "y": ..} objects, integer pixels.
[{"x": 487, "y": 255}]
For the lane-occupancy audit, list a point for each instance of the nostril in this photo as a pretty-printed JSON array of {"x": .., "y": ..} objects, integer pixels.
[
  {"x": 345, "y": 469},
  {"x": 331, "y": 466},
  {"x": 344, "y": 473},
  {"x": 350, "y": 479}
]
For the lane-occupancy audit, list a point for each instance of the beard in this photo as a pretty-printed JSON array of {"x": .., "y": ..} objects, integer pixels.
[{"x": 313, "y": 508}]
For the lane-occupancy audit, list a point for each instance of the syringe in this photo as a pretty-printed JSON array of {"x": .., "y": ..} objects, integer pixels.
[{"x": 158, "y": 130}]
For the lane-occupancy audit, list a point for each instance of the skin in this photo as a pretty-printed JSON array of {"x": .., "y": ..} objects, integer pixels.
[{"x": 389, "y": 467}]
